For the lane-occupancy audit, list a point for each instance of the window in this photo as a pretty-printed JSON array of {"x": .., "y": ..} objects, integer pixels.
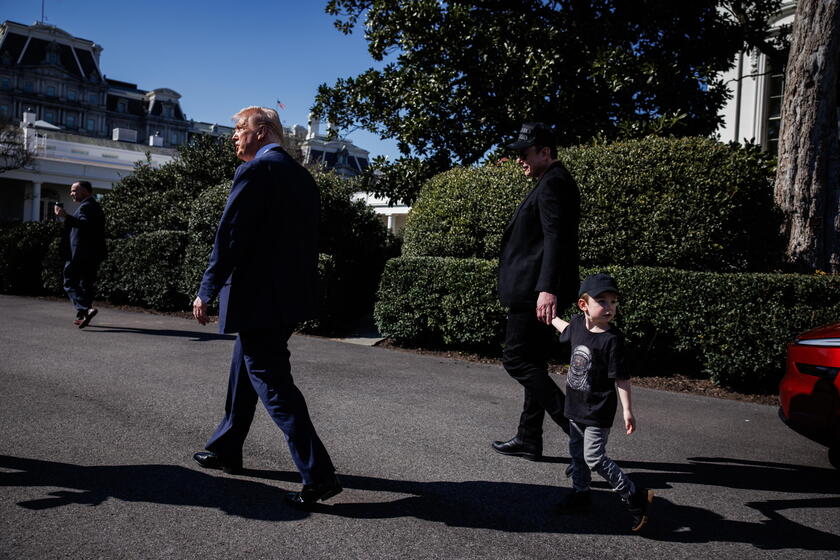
[
  {"x": 51, "y": 91},
  {"x": 52, "y": 58},
  {"x": 93, "y": 99},
  {"x": 167, "y": 111},
  {"x": 28, "y": 86},
  {"x": 70, "y": 121},
  {"x": 4, "y": 111},
  {"x": 91, "y": 124},
  {"x": 174, "y": 138},
  {"x": 71, "y": 95},
  {"x": 775, "y": 93},
  {"x": 122, "y": 107},
  {"x": 49, "y": 116},
  {"x": 5, "y": 83}
]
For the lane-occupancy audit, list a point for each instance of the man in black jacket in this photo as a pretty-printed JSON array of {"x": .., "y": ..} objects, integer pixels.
[
  {"x": 82, "y": 248},
  {"x": 538, "y": 275}
]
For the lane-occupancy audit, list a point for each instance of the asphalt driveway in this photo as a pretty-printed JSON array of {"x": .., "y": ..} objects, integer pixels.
[{"x": 99, "y": 425}]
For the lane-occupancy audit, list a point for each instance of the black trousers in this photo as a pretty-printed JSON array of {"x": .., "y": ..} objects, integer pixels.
[{"x": 528, "y": 344}]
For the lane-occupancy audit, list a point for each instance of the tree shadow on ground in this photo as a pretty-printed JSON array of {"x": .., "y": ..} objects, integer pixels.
[{"x": 502, "y": 506}]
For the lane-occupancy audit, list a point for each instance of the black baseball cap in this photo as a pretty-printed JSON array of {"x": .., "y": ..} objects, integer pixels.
[
  {"x": 597, "y": 284},
  {"x": 533, "y": 134}
]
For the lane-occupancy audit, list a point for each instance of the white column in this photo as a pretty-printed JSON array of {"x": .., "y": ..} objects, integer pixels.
[{"x": 391, "y": 223}]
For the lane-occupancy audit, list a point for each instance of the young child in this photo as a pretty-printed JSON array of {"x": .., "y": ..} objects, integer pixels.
[{"x": 596, "y": 369}]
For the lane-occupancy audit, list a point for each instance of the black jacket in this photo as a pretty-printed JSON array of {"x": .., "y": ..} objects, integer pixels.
[
  {"x": 540, "y": 245},
  {"x": 264, "y": 264},
  {"x": 83, "y": 237}
]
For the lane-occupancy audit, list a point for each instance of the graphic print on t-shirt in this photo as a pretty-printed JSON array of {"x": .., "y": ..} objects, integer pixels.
[{"x": 579, "y": 366}]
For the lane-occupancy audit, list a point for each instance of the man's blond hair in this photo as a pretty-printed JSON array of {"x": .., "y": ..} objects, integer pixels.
[{"x": 266, "y": 117}]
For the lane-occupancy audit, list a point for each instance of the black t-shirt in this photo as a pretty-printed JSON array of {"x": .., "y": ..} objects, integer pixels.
[{"x": 597, "y": 361}]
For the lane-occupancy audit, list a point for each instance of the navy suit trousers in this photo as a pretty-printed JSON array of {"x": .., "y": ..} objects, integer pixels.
[
  {"x": 80, "y": 283},
  {"x": 260, "y": 369},
  {"x": 528, "y": 344}
]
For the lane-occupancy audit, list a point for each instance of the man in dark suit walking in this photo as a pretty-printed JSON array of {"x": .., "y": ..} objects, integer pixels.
[
  {"x": 82, "y": 248},
  {"x": 538, "y": 275},
  {"x": 264, "y": 269}
]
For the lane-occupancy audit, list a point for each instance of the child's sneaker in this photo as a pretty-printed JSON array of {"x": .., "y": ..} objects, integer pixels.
[
  {"x": 638, "y": 504},
  {"x": 575, "y": 502}
]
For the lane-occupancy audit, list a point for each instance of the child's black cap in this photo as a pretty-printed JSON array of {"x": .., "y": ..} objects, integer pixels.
[{"x": 597, "y": 284}]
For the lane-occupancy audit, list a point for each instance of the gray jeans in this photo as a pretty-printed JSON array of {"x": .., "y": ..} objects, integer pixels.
[{"x": 588, "y": 448}]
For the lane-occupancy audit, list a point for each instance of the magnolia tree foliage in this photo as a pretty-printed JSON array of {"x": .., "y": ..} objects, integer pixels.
[{"x": 458, "y": 78}]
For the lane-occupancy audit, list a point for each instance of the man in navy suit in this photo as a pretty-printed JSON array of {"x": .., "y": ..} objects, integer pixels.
[
  {"x": 538, "y": 275},
  {"x": 263, "y": 268},
  {"x": 82, "y": 248}
]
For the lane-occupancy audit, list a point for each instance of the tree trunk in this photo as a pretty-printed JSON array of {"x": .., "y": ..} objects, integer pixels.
[{"x": 808, "y": 177}]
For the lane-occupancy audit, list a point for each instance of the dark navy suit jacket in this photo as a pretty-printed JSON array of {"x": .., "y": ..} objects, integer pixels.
[
  {"x": 540, "y": 245},
  {"x": 264, "y": 262},
  {"x": 83, "y": 238}
]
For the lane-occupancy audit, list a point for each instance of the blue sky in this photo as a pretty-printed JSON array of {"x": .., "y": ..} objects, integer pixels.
[{"x": 219, "y": 55}]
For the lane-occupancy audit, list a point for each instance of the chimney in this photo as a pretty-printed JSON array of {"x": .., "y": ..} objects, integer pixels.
[
  {"x": 29, "y": 118},
  {"x": 314, "y": 125}
]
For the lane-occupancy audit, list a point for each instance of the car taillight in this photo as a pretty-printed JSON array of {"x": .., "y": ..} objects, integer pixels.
[{"x": 817, "y": 371}]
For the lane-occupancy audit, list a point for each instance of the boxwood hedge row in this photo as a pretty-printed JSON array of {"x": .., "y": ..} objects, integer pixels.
[
  {"x": 689, "y": 203},
  {"x": 731, "y": 327}
]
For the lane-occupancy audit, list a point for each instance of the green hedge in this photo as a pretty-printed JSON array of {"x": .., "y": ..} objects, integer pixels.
[
  {"x": 689, "y": 203},
  {"x": 731, "y": 327},
  {"x": 432, "y": 301},
  {"x": 463, "y": 212},
  {"x": 145, "y": 270},
  {"x": 23, "y": 246}
]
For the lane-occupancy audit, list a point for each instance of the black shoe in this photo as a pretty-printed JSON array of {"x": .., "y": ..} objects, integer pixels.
[
  {"x": 575, "y": 502},
  {"x": 317, "y": 491},
  {"x": 210, "y": 460},
  {"x": 518, "y": 448},
  {"x": 89, "y": 314},
  {"x": 638, "y": 504}
]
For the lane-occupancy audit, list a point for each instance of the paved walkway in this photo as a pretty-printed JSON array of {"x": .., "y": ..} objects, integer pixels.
[{"x": 99, "y": 426}]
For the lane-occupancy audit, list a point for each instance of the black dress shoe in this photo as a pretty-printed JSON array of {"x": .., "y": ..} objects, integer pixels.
[
  {"x": 89, "y": 314},
  {"x": 210, "y": 460},
  {"x": 317, "y": 491},
  {"x": 518, "y": 448}
]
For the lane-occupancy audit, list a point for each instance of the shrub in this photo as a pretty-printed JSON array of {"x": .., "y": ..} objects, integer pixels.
[
  {"x": 730, "y": 327},
  {"x": 145, "y": 270},
  {"x": 432, "y": 301},
  {"x": 463, "y": 212},
  {"x": 23, "y": 246},
  {"x": 689, "y": 203},
  {"x": 158, "y": 199}
]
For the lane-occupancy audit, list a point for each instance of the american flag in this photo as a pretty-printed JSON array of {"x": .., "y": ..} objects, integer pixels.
[{"x": 280, "y": 104}]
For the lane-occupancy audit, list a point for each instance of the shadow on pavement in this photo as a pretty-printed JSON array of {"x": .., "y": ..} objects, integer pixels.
[
  {"x": 161, "y": 484},
  {"x": 517, "y": 507},
  {"x": 496, "y": 505},
  {"x": 197, "y": 336}
]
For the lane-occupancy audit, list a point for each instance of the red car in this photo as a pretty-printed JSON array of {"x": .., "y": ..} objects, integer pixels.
[{"x": 810, "y": 390}]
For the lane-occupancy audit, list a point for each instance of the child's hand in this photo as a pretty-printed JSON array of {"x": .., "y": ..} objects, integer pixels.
[{"x": 629, "y": 422}]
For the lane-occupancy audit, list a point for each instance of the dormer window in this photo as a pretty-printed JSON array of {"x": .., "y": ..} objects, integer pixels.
[
  {"x": 122, "y": 107},
  {"x": 52, "y": 58},
  {"x": 168, "y": 112}
]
